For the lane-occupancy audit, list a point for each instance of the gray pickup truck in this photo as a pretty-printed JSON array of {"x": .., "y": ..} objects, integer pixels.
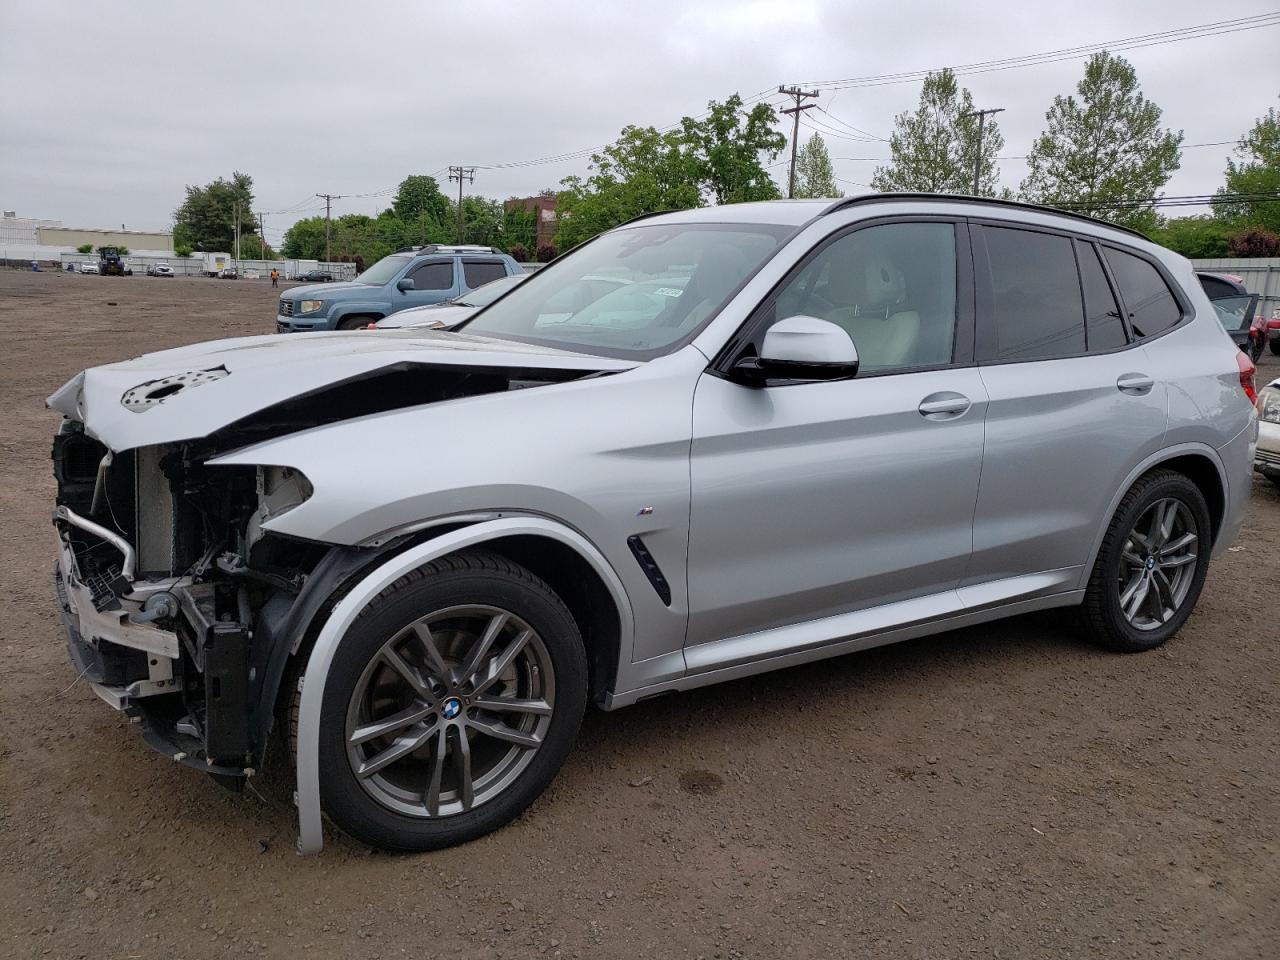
[{"x": 412, "y": 277}]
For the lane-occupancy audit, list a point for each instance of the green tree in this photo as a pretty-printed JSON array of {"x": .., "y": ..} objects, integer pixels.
[
  {"x": 1258, "y": 172},
  {"x": 644, "y": 171},
  {"x": 814, "y": 174},
  {"x": 305, "y": 239},
  {"x": 725, "y": 149},
  {"x": 482, "y": 221},
  {"x": 85, "y": 248},
  {"x": 181, "y": 250},
  {"x": 122, "y": 251},
  {"x": 252, "y": 248},
  {"x": 933, "y": 150},
  {"x": 206, "y": 219},
  {"x": 418, "y": 195},
  {"x": 1106, "y": 147},
  {"x": 1195, "y": 237},
  {"x": 519, "y": 228}
]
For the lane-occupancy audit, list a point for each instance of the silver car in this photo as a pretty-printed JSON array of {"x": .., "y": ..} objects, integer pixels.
[
  {"x": 797, "y": 430},
  {"x": 450, "y": 313}
]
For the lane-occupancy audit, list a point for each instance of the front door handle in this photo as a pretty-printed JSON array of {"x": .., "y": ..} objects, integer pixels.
[
  {"x": 944, "y": 406},
  {"x": 1137, "y": 384}
]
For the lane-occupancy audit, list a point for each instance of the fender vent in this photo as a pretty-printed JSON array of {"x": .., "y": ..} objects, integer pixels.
[{"x": 650, "y": 568}]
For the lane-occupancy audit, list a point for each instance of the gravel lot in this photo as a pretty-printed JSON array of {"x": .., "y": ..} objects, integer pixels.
[{"x": 1003, "y": 791}]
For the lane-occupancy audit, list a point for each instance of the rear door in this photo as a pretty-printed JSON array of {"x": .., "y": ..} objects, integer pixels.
[
  {"x": 1074, "y": 404},
  {"x": 477, "y": 271}
]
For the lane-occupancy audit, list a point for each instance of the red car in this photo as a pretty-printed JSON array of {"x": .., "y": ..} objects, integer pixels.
[{"x": 1273, "y": 331}]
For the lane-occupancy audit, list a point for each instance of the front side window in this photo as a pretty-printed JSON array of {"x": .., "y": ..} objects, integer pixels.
[
  {"x": 433, "y": 276},
  {"x": 476, "y": 273},
  {"x": 1152, "y": 307},
  {"x": 891, "y": 287},
  {"x": 636, "y": 292},
  {"x": 1036, "y": 308}
]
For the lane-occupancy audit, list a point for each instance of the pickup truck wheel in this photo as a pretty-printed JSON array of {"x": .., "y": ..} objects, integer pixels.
[
  {"x": 355, "y": 323},
  {"x": 1151, "y": 566},
  {"x": 451, "y": 703}
]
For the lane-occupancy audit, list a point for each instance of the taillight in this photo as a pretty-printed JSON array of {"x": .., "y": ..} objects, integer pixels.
[{"x": 1247, "y": 371}]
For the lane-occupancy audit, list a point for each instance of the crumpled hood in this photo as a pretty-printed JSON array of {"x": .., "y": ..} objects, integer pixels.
[{"x": 190, "y": 392}]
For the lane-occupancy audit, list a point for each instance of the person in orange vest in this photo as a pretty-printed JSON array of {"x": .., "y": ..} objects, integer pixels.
[{"x": 275, "y": 277}]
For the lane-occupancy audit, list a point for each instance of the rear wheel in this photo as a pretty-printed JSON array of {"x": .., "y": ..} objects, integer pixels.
[
  {"x": 1152, "y": 564},
  {"x": 1255, "y": 349},
  {"x": 450, "y": 705}
]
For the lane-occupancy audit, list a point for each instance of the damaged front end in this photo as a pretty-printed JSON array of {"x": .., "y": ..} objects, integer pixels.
[{"x": 165, "y": 578}]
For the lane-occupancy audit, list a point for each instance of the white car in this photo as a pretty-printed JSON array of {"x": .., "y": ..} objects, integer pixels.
[
  {"x": 442, "y": 316},
  {"x": 88, "y": 268},
  {"x": 1267, "y": 457},
  {"x": 159, "y": 270}
]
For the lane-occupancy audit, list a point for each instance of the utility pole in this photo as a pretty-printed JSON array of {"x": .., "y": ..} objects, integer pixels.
[
  {"x": 262, "y": 234},
  {"x": 236, "y": 255},
  {"x": 795, "y": 127},
  {"x": 328, "y": 199},
  {"x": 977, "y": 160},
  {"x": 460, "y": 174}
]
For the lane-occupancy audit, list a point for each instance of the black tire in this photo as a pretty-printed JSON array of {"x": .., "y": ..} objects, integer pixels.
[
  {"x": 1275, "y": 345},
  {"x": 1255, "y": 350},
  {"x": 1104, "y": 619},
  {"x": 470, "y": 578},
  {"x": 355, "y": 323}
]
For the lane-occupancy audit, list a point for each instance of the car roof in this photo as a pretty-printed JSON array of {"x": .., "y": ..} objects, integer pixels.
[{"x": 796, "y": 213}]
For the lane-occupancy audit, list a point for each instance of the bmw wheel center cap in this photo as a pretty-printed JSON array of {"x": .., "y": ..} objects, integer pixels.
[{"x": 451, "y": 708}]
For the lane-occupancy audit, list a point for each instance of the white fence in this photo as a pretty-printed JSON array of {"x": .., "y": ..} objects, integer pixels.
[
  {"x": 195, "y": 266},
  {"x": 1261, "y": 275}
]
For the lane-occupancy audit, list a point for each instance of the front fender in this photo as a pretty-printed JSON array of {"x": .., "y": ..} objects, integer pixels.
[
  {"x": 310, "y": 829},
  {"x": 345, "y": 308}
]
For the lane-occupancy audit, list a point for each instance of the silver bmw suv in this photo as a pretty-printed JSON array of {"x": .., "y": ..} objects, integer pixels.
[{"x": 703, "y": 445}]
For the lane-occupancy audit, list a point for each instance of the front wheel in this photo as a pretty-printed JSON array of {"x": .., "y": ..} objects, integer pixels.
[
  {"x": 355, "y": 323},
  {"x": 1151, "y": 566},
  {"x": 450, "y": 705}
]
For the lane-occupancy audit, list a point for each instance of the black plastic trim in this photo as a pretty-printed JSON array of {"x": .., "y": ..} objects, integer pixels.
[{"x": 650, "y": 568}]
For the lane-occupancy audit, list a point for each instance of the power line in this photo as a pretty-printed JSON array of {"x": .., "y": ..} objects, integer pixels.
[{"x": 1194, "y": 32}]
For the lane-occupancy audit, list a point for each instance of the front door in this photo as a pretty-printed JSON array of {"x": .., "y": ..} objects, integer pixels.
[
  {"x": 813, "y": 499},
  {"x": 433, "y": 282}
]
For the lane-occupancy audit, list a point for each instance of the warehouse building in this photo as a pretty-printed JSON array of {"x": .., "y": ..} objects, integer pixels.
[{"x": 28, "y": 238}]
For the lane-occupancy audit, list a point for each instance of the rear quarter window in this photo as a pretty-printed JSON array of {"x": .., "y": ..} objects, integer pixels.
[
  {"x": 1152, "y": 307},
  {"x": 476, "y": 273}
]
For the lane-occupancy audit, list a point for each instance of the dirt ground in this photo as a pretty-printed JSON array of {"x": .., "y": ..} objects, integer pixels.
[{"x": 1003, "y": 791}]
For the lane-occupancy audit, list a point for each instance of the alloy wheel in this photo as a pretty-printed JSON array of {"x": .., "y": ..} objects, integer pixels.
[
  {"x": 1158, "y": 564},
  {"x": 450, "y": 711}
]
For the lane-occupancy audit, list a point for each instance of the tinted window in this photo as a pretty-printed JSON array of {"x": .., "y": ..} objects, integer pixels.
[
  {"x": 1101, "y": 311},
  {"x": 1036, "y": 307},
  {"x": 476, "y": 273},
  {"x": 1235, "y": 313},
  {"x": 433, "y": 276},
  {"x": 1152, "y": 308},
  {"x": 892, "y": 288}
]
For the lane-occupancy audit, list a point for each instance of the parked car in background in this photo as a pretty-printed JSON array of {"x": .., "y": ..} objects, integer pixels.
[
  {"x": 1237, "y": 309},
  {"x": 1267, "y": 457},
  {"x": 808, "y": 428},
  {"x": 88, "y": 268},
  {"x": 413, "y": 277},
  {"x": 1273, "y": 331},
  {"x": 314, "y": 276},
  {"x": 442, "y": 316},
  {"x": 228, "y": 273},
  {"x": 159, "y": 270}
]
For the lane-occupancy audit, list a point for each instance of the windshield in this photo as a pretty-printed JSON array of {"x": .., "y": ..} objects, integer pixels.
[
  {"x": 382, "y": 271},
  {"x": 1233, "y": 312},
  {"x": 485, "y": 294},
  {"x": 636, "y": 292}
]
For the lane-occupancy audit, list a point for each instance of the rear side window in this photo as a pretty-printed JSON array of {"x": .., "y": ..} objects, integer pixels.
[
  {"x": 433, "y": 276},
  {"x": 476, "y": 273},
  {"x": 1036, "y": 306},
  {"x": 1152, "y": 307},
  {"x": 1102, "y": 314}
]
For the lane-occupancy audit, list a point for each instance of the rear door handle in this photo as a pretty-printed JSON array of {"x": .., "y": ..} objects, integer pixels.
[
  {"x": 944, "y": 406},
  {"x": 1137, "y": 384}
]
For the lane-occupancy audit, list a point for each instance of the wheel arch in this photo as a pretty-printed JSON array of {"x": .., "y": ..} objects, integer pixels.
[
  {"x": 551, "y": 547},
  {"x": 1198, "y": 462}
]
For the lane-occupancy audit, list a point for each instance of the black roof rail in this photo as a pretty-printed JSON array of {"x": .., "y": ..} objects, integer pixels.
[{"x": 989, "y": 201}]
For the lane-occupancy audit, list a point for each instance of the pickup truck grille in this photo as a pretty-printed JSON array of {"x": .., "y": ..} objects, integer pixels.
[{"x": 286, "y": 307}]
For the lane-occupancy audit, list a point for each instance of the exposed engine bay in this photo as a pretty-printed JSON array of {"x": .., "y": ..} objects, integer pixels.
[{"x": 180, "y": 608}]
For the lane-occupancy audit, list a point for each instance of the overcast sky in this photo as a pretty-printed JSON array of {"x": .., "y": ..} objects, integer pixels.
[{"x": 107, "y": 111}]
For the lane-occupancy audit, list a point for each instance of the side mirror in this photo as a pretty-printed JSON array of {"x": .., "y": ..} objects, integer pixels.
[
  {"x": 801, "y": 348},
  {"x": 405, "y": 284}
]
